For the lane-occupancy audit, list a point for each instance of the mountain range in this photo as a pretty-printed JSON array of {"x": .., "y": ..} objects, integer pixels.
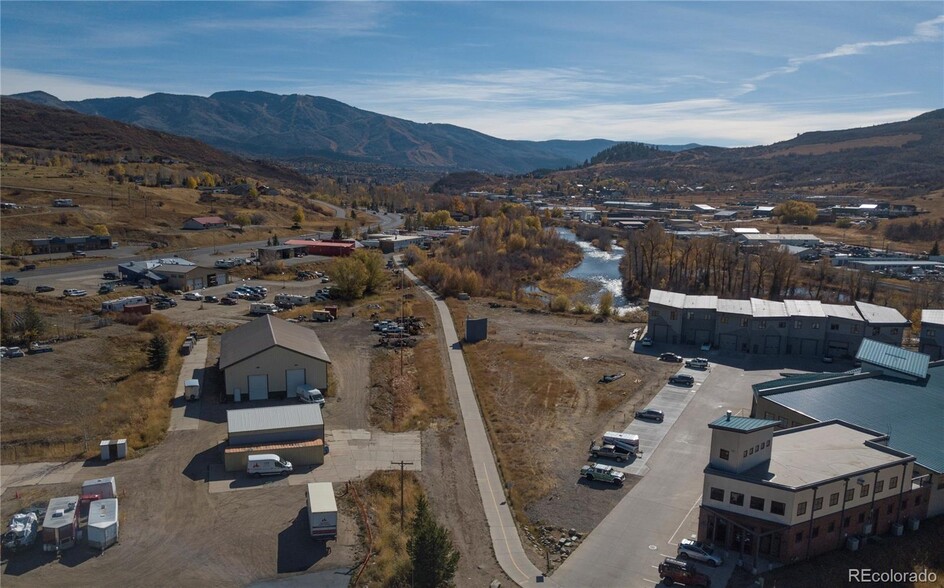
[{"x": 299, "y": 127}]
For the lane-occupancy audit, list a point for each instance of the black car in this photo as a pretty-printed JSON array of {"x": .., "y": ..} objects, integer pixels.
[
  {"x": 211, "y": 299},
  {"x": 227, "y": 301},
  {"x": 651, "y": 414},
  {"x": 10, "y": 281},
  {"x": 671, "y": 357},
  {"x": 28, "y": 267},
  {"x": 682, "y": 380},
  {"x": 45, "y": 289}
]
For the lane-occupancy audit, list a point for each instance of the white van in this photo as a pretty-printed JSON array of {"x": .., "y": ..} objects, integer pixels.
[
  {"x": 310, "y": 395},
  {"x": 268, "y": 464},
  {"x": 263, "y": 308}
]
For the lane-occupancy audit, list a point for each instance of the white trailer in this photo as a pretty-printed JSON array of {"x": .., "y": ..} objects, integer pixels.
[
  {"x": 322, "y": 511},
  {"x": 259, "y": 308},
  {"x": 102, "y": 487},
  {"x": 119, "y": 304},
  {"x": 103, "y": 523},
  {"x": 192, "y": 389},
  {"x": 622, "y": 440},
  {"x": 291, "y": 299}
]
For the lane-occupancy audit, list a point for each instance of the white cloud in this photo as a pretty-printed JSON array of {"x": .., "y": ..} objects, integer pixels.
[
  {"x": 16, "y": 81},
  {"x": 332, "y": 19}
]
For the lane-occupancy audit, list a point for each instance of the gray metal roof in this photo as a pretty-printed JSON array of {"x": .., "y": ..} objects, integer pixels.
[
  {"x": 701, "y": 302},
  {"x": 910, "y": 412},
  {"x": 69, "y": 505},
  {"x": 735, "y": 306},
  {"x": 881, "y": 315},
  {"x": 267, "y": 331},
  {"x": 932, "y": 317},
  {"x": 745, "y": 424},
  {"x": 767, "y": 308},
  {"x": 894, "y": 358},
  {"x": 103, "y": 513},
  {"x": 843, "y": 311},
  {"x": 664, "y": 298},
  {"x": 292, "y": 416},
  {"x": 811, "y": 308}
]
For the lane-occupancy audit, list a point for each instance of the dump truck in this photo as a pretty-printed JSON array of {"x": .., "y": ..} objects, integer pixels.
[{"x": 322, "y": 511}]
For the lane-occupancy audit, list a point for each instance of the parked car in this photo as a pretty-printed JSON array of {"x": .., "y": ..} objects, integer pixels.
[
  {"x": 603, "y": 473},
  {"x": 27, "y": 267},
  {"x": 699, "y": 363},
  {"x": 706, "y": 346},
  {"x": 211, "y": 299},
  {"x": 74, "y": 292},
  {"x": 675, "y": 571},
  {"x": 78, "y": 254},
  {"x": 110, "y": 276},
  {"x": 669, "y": 356},
  {"x": 45, "y": 289},
  {"x": 193, "y": 296},
  {"x": 688, "y": 549},
  {"x": 35, "y": 348},
  {"x": 106, "y": 289},
  {"x": 646, "y": 341},
  {"x": 682, "y": 380},
  {"x": 228, "y": 301},
  {"x": 651, "y": 414},
  {"x": 14, "y": 352},
  {"x": 10, "y": 281},
  {"x": 235, "y": 295},
  {"x": 634, "y": 334}
]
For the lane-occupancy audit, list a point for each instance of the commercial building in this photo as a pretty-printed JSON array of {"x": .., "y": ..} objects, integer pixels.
[
  {"x": 294, "y": 433},
  {"x": 799, "y": 240},
  {"x": 171, "y": 273},
  {"x": 70, "y": 244},
  {"x": 276, "y": 252},
  {"x": 401, "y": 242},
  {"x": 932, "y": 333},
  {"x": 896, "y": 391},
  {"x": 792, "y": 327},
  {"x": 270, "y": 358},
  {"x": 327, "y": 248},
  {"x": 793, "y": 494}
]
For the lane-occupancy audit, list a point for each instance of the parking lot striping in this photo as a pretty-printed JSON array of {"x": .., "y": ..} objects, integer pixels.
[
  {"x": 671, "y": 539},
  {"x": 504, "y": 536}
]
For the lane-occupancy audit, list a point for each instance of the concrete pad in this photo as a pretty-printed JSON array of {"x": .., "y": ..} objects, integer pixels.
[
  {"x": 35, "y": 474},
  {"x": 185, "y": 416}
]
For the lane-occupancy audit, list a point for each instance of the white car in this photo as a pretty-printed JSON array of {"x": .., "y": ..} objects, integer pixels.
[
  {"x": 193, "y": 296},
  {"x": 697, "y": 550},
  {"x": 74, "y": 292}
]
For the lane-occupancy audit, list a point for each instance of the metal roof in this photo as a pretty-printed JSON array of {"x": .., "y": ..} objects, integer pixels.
[
  {"x": 875, "y": 314},
  {"x": 734, "y": 306},
  {"x": 910, "y": 412},
  {"x": 843, "y": 311},
  {"x": 793, "y": 380},
  {"x": 932, "y": 317},
  {"x": 742, "y": 424},
  {"x": 321, "y": 496},
  {"x": 264, "y": 332},
  {"x": 812, "y": 308},
  {"x": 767, "y": 308},
  {"x": 745, "y": 231},
  {"x": 69, "y": 505},
  {"x": 292, "y": 416},
  {"x": 665, "y": 298},
  {"x": 893, "y": 358},
  {"x": 103, "y": 513},
  {"x": 701, "y": 302}
]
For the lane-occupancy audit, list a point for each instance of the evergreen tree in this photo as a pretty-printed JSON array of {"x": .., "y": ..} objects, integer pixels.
[
  {"x": 32, "y": 325},
  {"x": 935, "y": 250},
  {"x": 337, "y": 235},
  {"x": 433, "y": 557},
  {"x": 158, "y": 351}
]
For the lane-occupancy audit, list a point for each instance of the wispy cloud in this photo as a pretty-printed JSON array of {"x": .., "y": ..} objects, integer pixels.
[
  {"x": 334, "y": 19},
  {"x": 15, "y": 81}
]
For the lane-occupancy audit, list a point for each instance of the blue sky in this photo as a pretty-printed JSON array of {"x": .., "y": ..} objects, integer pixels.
[{"x": 722, "y": 73}]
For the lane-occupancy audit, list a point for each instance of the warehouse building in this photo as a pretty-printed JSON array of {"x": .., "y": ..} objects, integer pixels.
[
  {"x": 326, "y": 248},
  {"x": 401, "y": 242},
  {"x": 270, "y": 358},
  {"x": 793, "y": 494},
  {"x": 171, "y": 273},
  {"x": 897, "y": 391},
  {"x": 294, "y": 433},
  {"x": 69, "y": 244}
]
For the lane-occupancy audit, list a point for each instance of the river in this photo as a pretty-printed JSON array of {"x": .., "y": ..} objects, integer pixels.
[{"x": 601, "y": 268}]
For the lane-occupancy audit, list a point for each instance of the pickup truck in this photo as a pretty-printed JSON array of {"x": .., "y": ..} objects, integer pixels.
[
  {"x": 603, "y": 473},
  {"x": 608, "y": 451},
  {"x": 674, "y": 571}
]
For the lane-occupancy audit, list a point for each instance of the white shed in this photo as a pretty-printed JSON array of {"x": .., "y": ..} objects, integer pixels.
[
  {"x": 104, "y": 487},
  {"x": 103, "y": 523}
]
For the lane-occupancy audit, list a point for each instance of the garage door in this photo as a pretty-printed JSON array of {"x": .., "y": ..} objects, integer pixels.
[
  {"x": 808, "y": 347},
  {"x": 702, "y": 336},
  {"x": 258, "y": 387},
  {"x": 835, "y": 349},
  {"x": 771, "y": 345},
  {"x": 660, "y": 334},
  {"x": 729, "y": 343},
  {"x": 293, "y": 379}
]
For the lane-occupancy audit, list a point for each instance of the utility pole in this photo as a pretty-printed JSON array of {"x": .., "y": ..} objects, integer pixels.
[
  {"x": 401, "y": 463},
  {"x": 401, "y": 333}
]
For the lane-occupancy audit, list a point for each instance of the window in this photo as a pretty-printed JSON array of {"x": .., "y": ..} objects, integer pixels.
[
  {"x": 833, "y": 327},
  {"x": 673, "y": 315},
  {"x": 689, "y": 315},
  {"x": 724, "y": 320},
  {"x": 815, "y": 325},
  {"x": 845, "y": 522},
  {"x": 904, "y": 503},
  {"x": 818, "y": 504},
  {"x": 752, "y": 451},
  {"x": 758, "y": 446},
  {"x": 723, "y": 454},
  {"x": 861, "y": 517},
  {"x": 850, "y": 494},
  {"x": 865, "y": 491},
  {"x": 797, "y": 324},
  {"x": 917, "y": 500},
  {"x": 782, "y": 324},
  {"x": 707, "y": 316},
  {"x": 815, "y": 533},
  {"x": 876, "y": 331},
  {"x": 893, "y": 483},
  {"x": 744, "y": 322},
  {"x": 768, "y": 443},
  {"x": 745, "y": 453},
  {"x": 769, "y": 416},
  {"x": 879, "y": 486},
  {"x": 831, "y": 527},
  {"x": 930, "y": 332},
  {"x": 656, "y": 312},
  {"x": 757, "y": 503},
  {"x": 890, "y": 508},
  {"x": 799, "y": 537},
  {"x": 777, "y": 508},
  {"x": 855, "y": 329},
  {"x": 762, "y": 325},
  {"x": 894, "y": 331},
  {"x": 737, "y": 499},
  {"x": 801, "y": 508},
  {"x": 784, "y": 422},
  {"x": 834, "y": 499},
  {"x": 717, "y": 494}
]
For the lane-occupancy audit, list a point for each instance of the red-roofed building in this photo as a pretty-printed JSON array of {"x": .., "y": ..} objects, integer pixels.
[
  {"x": 328, "y": 248},
  {"x": 199, "y": 223}
]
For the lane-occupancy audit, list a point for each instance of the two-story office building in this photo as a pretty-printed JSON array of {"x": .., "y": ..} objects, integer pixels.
[
  {"x": 932, "y": 333},
  {"x": 884, "y": 324},
  {"x": 789, "y": 495}
]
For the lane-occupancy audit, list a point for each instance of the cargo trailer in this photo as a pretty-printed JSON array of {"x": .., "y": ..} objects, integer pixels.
[
  {"x": 322, "y": 511},
  {"x": 103, "y": 523},
  {"x": 61, "y": 525}
]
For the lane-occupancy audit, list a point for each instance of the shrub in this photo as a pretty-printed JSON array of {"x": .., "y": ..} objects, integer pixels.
[{"x": 560, "y": 303}]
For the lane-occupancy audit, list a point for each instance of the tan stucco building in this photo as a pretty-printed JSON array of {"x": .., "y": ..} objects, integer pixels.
[{"x": 269, "y": 358}]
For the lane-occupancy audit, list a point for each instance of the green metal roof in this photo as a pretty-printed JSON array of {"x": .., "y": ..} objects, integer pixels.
[
  {"x": 742, "y": 424},
  {"x": 894, "y": 358},
  {"x": 775, "y": 386}
]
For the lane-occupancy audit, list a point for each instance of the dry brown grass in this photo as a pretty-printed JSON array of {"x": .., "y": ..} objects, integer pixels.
[
  {"x": 569, "y": 287},
  {"x": 380, "y": 492},
  {"x": 822, "y": 148}
]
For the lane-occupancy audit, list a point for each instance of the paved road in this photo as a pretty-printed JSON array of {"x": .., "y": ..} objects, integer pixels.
[
  {"x": 662, "y": 508},
  {"x": 505, "y": 541}
]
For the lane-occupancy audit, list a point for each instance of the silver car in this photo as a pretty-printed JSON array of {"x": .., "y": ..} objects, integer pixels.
[{"x": 697, "y": 550}]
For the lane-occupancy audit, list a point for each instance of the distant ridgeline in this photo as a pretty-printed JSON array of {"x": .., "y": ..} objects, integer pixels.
[{"x": 626, "y": 152}]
